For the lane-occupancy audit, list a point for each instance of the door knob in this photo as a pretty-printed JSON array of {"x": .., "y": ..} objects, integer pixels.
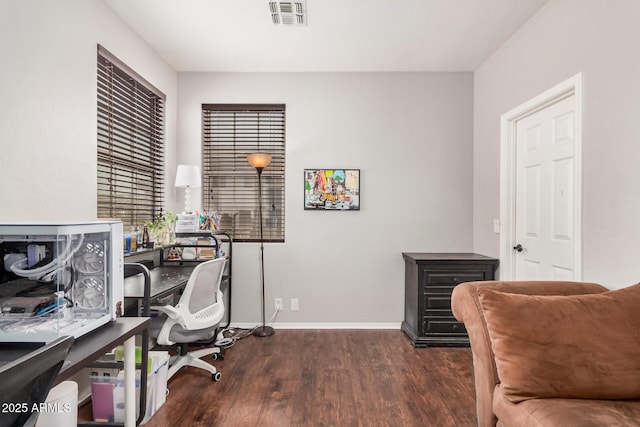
[{"x": 518, "y": 248}]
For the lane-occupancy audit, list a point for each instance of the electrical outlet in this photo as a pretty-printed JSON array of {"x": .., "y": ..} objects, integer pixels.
[
  {"x": 295, "y": 304},
  {"x": 278, "y": 304}
]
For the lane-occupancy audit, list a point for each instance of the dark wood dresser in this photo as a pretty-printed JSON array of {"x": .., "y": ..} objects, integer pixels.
[{"x": 428, "y": 283}]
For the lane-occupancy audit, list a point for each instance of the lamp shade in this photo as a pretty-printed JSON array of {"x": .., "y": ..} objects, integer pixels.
[
  {"x": 188, "y": 176},
  {"x": 259, "y": 160}
]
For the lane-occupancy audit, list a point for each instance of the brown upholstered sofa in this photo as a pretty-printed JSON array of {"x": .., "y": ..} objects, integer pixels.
[{"x": 553, "y": 353}]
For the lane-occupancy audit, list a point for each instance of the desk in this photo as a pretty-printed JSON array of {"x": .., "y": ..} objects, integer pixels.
[
  {"x": 91, "y": 346},
  {"x": 88, "y": 348},
  {"x": 165, "y": 280},
  {"x": 150, "y": 285}
]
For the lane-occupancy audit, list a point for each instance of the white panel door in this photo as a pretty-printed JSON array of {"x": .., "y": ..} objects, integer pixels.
[{"x": 545, "y": 193}]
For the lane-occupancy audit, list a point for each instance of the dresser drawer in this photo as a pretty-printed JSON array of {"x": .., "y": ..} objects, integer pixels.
[
  {"x": 438, "y": 298},
  {"x": 453, "y": 277},
  {"x": 442, "y": 325}
]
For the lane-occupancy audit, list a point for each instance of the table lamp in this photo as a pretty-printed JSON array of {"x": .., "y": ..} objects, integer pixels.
[{"x": 187, "y": 177}]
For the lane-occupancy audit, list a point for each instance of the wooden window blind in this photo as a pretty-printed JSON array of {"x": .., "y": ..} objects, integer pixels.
[
  {"x": 229, "y": 183},
  {"x": 130, "y": 143}
]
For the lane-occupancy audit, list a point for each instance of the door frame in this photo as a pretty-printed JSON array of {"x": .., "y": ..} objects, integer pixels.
[{"x": 571, "y": 86}]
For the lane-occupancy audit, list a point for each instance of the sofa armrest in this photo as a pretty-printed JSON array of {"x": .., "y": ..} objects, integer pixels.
[{"x": 467, "y": 309}]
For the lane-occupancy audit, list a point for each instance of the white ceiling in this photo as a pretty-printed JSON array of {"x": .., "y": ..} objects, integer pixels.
[{"x": 341, "y": 35}]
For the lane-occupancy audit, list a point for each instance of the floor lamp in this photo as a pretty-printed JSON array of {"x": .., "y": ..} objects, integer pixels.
[{"x": 260, "y": 161}]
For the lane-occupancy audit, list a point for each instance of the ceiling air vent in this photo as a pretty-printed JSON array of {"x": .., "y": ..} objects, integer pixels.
[{"x": 288, "y": 12}]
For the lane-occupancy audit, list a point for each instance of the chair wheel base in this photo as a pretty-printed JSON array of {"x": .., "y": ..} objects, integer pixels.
[{"x": 218, "y": 356}]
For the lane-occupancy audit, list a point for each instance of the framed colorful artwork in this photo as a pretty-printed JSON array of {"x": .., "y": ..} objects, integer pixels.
[{"x": 332, "y": 189}]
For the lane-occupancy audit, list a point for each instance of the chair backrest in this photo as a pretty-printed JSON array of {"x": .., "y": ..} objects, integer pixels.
[
  {"x": 201, "y": 304},
  {"x": 27, "y": 380}
]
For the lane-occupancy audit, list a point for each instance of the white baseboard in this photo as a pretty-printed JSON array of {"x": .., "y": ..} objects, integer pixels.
[{"x": 321, "y": 325}]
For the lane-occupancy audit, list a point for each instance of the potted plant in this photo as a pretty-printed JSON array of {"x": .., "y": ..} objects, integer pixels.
[{"x": 161, "y": 227}]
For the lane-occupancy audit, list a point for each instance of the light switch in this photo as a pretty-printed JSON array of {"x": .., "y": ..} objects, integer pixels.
[{"x": 496, "y": 225}]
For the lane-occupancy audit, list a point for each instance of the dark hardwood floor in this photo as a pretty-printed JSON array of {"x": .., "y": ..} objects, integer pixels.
[{"x": 326, "y": 378}]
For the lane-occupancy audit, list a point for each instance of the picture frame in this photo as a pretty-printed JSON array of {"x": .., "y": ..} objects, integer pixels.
[{"x": 332, "y": 189}]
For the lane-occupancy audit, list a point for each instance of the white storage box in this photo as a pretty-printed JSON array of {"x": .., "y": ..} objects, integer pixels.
[
  {"x": 156, "y": 387},
  {"x": 61, "y": 406},
  {"x": 186, "y": 223}
]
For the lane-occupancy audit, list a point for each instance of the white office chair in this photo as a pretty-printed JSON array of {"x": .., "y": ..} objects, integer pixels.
[{"x": 195, "y": 318}]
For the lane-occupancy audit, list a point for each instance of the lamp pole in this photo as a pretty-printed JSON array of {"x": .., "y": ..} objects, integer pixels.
[
  {"x": 259, "y": 161},
  {"x": 264, "y": 330}
]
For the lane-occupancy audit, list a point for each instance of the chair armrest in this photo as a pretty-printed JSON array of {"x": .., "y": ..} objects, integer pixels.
[
  {"x": 466, "y": 309},
  {"x": 173, "y": 315},
  {"x": 169, "y": 310}
]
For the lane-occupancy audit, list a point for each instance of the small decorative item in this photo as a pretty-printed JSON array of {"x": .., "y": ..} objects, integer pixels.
[
  {"x": 332, "y": 189},
  {"x": 173, "y": 254}
]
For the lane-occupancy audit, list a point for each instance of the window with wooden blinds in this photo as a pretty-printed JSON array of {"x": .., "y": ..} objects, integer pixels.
[
  {"x": 130, "y": 143},
  {"x": 229, "y": 183}
]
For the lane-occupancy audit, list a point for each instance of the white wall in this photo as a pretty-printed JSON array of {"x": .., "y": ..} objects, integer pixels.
[
  {"x": 601, "y": 40},
  {"x": 48, "y": 118},
  {"x": 411, "y": 136}
]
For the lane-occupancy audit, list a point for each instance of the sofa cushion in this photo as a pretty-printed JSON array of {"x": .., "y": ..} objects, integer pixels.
[
  {"x": 578, "y": 346},
  {"x": 566, "y": 412}
]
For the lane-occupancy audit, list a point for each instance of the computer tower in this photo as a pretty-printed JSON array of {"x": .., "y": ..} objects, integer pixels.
[{"x": 59, "y": 279}]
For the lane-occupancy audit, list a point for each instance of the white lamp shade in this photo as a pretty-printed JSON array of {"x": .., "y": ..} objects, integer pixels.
[{"x": 188, "y": 176}]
